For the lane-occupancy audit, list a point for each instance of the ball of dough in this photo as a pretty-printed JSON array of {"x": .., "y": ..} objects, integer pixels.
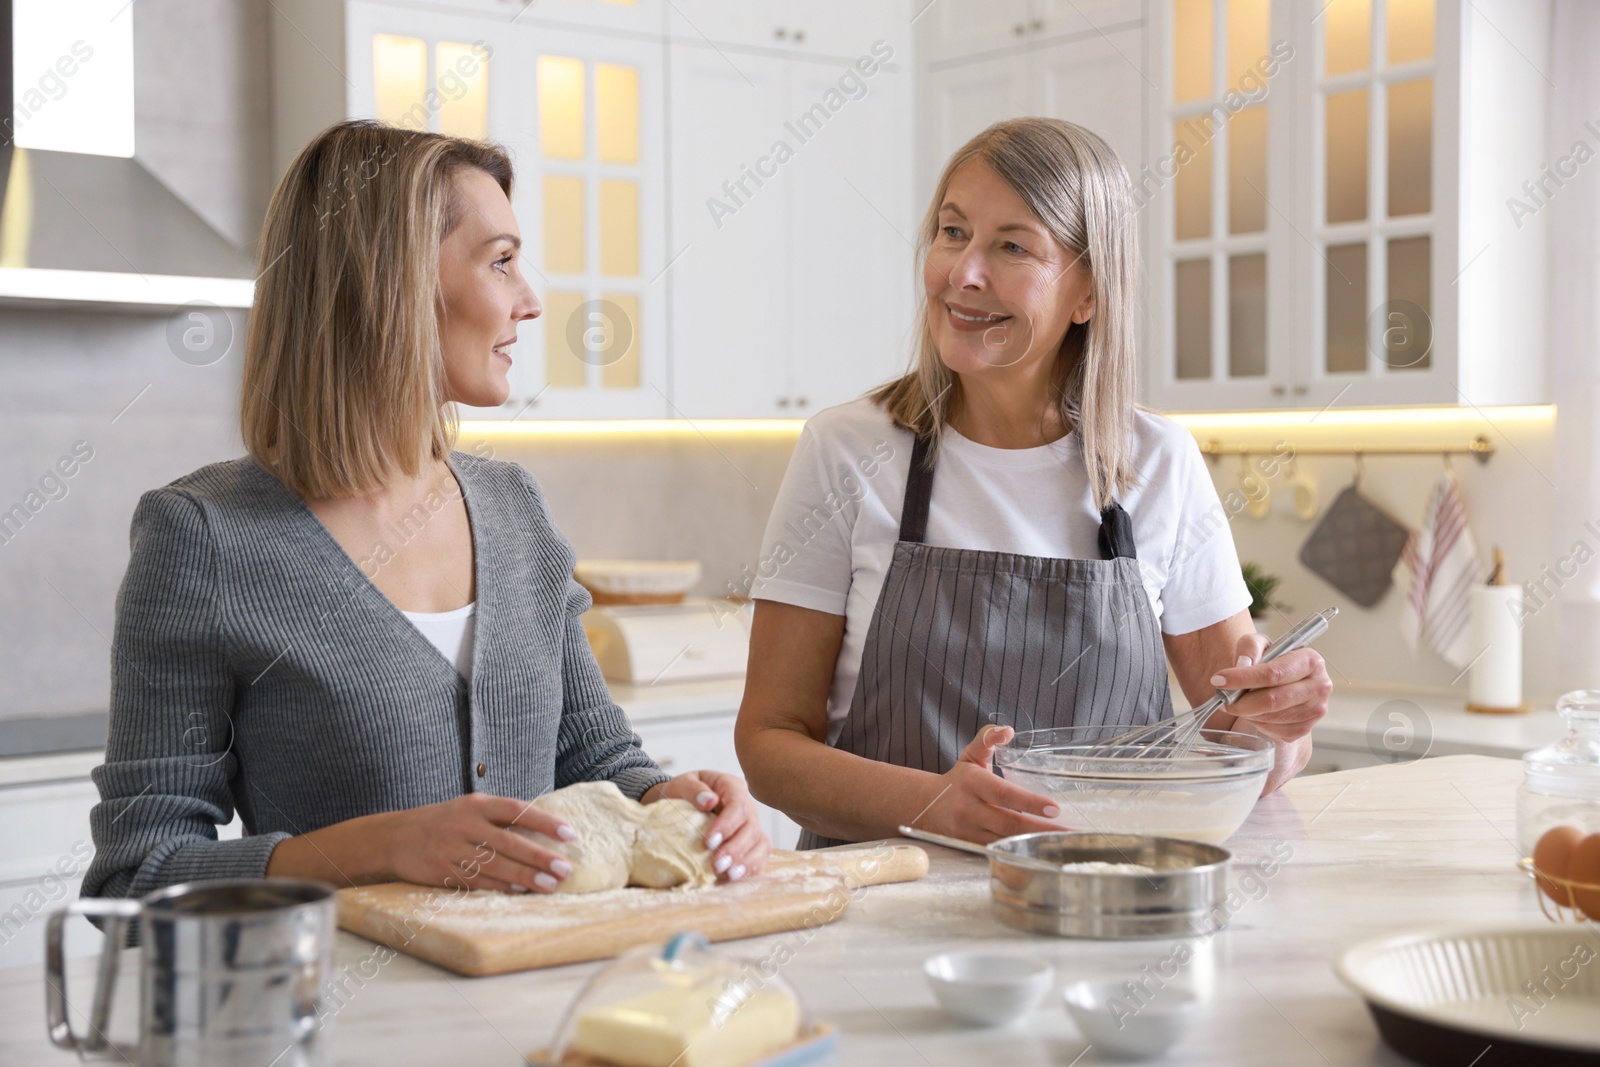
[
  {"x": 607, "y": 823},
  {"x": 670, "y": 848},
  {"x": 622, "y": 842}
]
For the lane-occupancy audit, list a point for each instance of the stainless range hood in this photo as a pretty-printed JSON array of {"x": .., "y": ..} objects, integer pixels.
[{"x": 102, "y": 230}]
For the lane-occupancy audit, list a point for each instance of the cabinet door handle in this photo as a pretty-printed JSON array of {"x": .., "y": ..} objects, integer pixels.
[
  {"x": 1299, "y": 390},
  {"x": 783, "y": 401},
  {"x": 780, "y": 33},
  {"x": 1277, "y": 390},
  {"x": 800, "y": 403},
  {"x": 1038, "y": 24},
  {"x": 799, "y": 35},
  {"x": 1019, "y": 29},
  {"x": 666, "y": 763}
]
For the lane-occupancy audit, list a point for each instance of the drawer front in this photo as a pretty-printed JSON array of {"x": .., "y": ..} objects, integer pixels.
[
  {"x": 24, "y": 910},
  {"x": 701, "y": 743},
  {"x": 40, "y": 825}
]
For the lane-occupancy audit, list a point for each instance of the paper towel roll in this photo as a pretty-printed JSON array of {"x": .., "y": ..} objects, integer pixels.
[{"x": 1496, "y": 682}]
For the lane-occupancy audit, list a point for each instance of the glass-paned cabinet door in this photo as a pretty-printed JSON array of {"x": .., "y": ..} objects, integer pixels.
[
  {"x": 581, "y": 116},
  {"x": 1217, "y": 169},
  {"x": 1372, "y": 165},
  {"x": 591, "y": 160}
]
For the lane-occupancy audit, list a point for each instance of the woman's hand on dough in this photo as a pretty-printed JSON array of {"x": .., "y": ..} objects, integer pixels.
[
  {"x": 465, "y": 842},
  {"x": 971, "y": 802},
  {"x": 740, "y": 847}
]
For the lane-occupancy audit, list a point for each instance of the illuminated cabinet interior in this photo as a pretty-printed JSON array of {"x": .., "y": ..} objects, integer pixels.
[
  {"x": 1313, "y": 205},
  {"x": 581, "y": 114}
]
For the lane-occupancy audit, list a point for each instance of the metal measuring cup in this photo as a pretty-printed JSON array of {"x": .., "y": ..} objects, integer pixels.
[{"x": 232, "y": 973}]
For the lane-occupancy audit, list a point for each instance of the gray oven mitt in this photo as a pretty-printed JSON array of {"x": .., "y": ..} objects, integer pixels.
[{"x": 1355, "y": 547}]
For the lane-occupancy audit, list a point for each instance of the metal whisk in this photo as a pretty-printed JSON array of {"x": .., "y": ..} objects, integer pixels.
[{"x": 1173, "y": 737}]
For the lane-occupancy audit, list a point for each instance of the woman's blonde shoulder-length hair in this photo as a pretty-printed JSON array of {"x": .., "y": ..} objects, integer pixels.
[
  {"x": 344, "y": 382},
  {"x": 1077, "y": 188}
]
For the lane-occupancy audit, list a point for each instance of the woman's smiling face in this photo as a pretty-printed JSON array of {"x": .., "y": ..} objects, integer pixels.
[
  {"x": 483, "y": 293},
  {"x": 1001, "y": 290}
]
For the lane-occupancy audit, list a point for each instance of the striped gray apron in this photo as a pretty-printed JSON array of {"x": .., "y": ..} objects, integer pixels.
[{"x": 961, "y": 638}]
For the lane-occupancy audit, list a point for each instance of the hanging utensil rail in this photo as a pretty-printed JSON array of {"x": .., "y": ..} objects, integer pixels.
[{"x": 1479, "y": 448}]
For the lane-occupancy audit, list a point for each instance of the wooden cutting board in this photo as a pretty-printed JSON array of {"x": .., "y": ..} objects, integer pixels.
[{"x": 482, "y": 933}]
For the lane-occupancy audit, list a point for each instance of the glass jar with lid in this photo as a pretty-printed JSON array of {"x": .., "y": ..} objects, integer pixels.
[{"x": 1561, "y": 783}]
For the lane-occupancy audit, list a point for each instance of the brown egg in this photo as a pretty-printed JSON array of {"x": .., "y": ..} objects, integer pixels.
[
  {"x": 1552, "y": 855},
  {"x": 1584, "y": 867}
]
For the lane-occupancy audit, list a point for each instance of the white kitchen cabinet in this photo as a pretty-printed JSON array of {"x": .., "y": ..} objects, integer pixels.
[
  {"x": 792, "y": 215},
  {"x": 1383, "y": 267},
  {"x": 851, "y": 235},
  {"x": 958, "y": 101},
  {"x": 966, "y": 30},
  {"x": 705, "y": 742},
  {"x": 45, "y": 848},
  {"x": 582, "y": 116},
  {"x": 1096, "y": 81},
  {"x": 730, "y": 305},
  {"x": 607, "y": 16},
  {"x": 842, "y": 29}
]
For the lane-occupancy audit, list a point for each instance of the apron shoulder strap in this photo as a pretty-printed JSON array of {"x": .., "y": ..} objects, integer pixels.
[
  {"x": 919, "y": 490},
  {"x": 1116, "y": 533}
]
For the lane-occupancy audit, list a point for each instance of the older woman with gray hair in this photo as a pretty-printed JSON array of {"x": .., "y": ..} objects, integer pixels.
[{"x": 1001, "y": 538}]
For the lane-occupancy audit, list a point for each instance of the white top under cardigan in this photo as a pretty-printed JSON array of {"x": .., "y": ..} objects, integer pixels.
[
  {"x": 834, "y": 525},
  {"x": 450, "y": 632}
]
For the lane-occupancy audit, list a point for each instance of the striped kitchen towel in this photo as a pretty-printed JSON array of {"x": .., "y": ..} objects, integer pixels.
[{"x": 1443, "y": 560}]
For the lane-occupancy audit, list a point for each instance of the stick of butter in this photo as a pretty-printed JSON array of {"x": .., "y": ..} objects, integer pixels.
[{"x": 678, "y": 1026}]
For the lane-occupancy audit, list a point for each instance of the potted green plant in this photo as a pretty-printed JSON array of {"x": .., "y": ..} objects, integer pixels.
[{"x": 1261, "y": 585}]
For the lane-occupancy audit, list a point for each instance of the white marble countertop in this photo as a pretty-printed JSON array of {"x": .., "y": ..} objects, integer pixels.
[
  {"x": 1393, "y": 724},
  {"x": 1370, "y": 851}
]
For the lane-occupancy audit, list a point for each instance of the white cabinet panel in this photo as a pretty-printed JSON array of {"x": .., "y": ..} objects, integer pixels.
[
  {"x": 1055, "y": 17},
  {"x": 955, "y": 29},
  {"x": 41, "y": 825},
  {"x": 962, "y": 28},
  {"x": 1097, "y": 82},
  {"x": 25, "y": 908},
  {"x": 728, "y": 284},
  {"x": 959, "y": 102},
  {"x": 836, "y": 28},
  {"x": 851, "y": 234},
  {"x": 45, "y": 848}
]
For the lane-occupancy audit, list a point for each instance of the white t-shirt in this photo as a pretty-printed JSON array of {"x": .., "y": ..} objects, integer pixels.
[
  {"x": 837, "y": 517},
  {"x": 450, "y": 632}
]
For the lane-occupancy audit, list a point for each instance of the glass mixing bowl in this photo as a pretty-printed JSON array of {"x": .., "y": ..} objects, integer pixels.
[{"x": 1203, "y": 794}]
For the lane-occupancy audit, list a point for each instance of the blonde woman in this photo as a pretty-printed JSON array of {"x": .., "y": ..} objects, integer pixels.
[
  {"x": 1001, "y": 536},
  {"x": 363, "y": 642}
]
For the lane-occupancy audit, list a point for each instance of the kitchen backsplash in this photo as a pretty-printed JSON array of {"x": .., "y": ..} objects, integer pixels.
[{"x": 101, "y": 395}]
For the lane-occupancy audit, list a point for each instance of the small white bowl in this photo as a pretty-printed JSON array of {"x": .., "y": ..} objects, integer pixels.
[
  {"x": 1131, "y": 1029},
  {"x": 986, "y": 989}
]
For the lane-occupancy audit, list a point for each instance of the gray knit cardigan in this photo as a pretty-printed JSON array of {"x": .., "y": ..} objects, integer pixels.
[{"x": 256, "y": 668}]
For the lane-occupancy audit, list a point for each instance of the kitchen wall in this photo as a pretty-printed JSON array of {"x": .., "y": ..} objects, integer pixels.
[
  {"x": 673, "y": 496},
  {"x": 111, "y": 382},
  {"x": 684, "y": 497}
]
